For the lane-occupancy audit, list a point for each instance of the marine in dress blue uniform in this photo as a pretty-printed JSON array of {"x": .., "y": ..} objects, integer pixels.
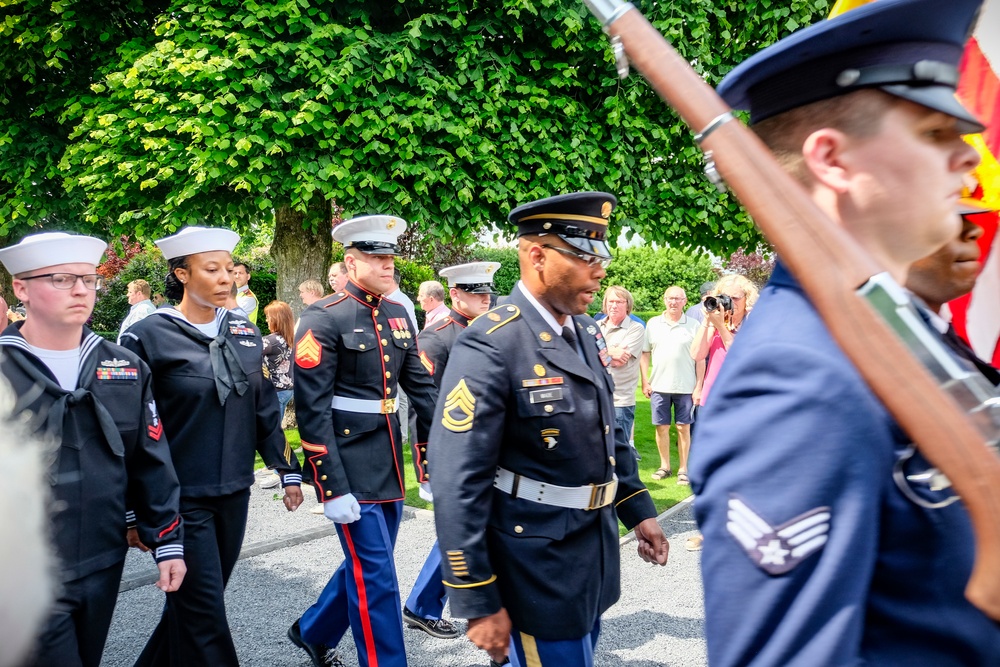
[
  {"x": 217, "y": 409},
  {"x": 529, "y": 482},
  {"x": 112, "y": 454},
  {"x": 470, "y": 286},
  {"x": 822, "y": 547},
  {"x": 355, "y": 349}
]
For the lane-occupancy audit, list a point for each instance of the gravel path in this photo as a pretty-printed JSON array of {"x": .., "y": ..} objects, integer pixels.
[{"x": 287, "y": 559}]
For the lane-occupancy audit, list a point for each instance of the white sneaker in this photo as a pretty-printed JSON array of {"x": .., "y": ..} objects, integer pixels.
[{"x": 270, "y": 482}]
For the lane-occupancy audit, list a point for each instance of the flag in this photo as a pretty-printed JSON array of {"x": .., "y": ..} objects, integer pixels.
[{"x": 976, "y": 316}]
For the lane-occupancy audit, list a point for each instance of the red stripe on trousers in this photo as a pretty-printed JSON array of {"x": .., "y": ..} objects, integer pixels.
[{"x": 359, "y": 581}]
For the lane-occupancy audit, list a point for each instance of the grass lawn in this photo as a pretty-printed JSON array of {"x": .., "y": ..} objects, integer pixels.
[{"x": 665, "y": 493}]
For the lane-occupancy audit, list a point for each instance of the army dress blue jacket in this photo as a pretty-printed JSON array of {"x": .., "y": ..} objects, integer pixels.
[
  {"x": 359, "y": 346},
  {"x": 817, "y": 550},
  {"x": 516, "y": 395},
  {"x": 212, "y": 444},
  {"x": 112, "y": 453}
]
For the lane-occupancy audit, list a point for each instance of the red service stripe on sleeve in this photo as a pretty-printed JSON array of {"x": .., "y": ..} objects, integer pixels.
[{"x": 170, "y": 528}]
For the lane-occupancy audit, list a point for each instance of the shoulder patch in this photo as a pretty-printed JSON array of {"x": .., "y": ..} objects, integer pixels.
[
  {"x": 308, "y": 351},
  {"x": 778, "y": 549},
  {"x": 501, "y": 315}
]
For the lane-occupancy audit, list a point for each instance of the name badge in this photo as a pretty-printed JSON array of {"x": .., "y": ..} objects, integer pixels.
[{"x": 545, "y": 395}]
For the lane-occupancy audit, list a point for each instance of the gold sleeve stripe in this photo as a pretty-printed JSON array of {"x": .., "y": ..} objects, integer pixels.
[
  {"x": 632, "y": 496},
  {"x": 568, "y": 216},
  {"x": 309, "y": 447},
  {"x": 476, "y": 585},
  {"x": 531, "y": 657}
]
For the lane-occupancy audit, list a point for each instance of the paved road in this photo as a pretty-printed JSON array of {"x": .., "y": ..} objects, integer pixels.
[{"x": 288, "y": 558}]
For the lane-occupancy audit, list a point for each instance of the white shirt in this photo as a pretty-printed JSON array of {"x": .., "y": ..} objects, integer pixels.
[{"x": 64, "y": 364}]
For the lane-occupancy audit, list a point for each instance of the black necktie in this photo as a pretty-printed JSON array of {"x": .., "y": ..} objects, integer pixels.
[{"x": 570, "y": 337}]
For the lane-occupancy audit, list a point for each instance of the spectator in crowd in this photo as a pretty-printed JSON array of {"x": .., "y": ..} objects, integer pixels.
[
  {"x": 715, "y": 334},
  {"x": 278, "y": 362},
  {"x": 232, "y": 304},
  {"x": 142, "y": 306},
  {"x": 310, "y": 291},
  {"x": 695, "y": 312},
  {"x": 159, "y": 301},
  {"x": 3, "y": 306},
  {"x": 624, "y": 338},
  {"x": 337, "y": 276},
  {"x": 217, "y": 408},
  {"x": 946, "y": 275},
  {"x": 669, "y": 377},
  {"x": 245, "y": 297},
  {"x": 430, "y": 296},
  {"x": 353, "y": 352},
  {"x": 94, "y": 400}
]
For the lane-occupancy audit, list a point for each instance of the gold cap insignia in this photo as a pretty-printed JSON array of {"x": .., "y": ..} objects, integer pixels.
[
  {"x": 545, "y": 336},
  {"x": 539, "y": 370},
  {"x": 605, "y": 209},
  {"x": 489, "y": 269},
  {"x": 392, "y": 223}
]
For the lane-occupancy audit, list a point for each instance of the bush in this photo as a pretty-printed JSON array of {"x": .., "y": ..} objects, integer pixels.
[
  {"x": 508, "y": 273},
  {"x": 647, "y": 273}
]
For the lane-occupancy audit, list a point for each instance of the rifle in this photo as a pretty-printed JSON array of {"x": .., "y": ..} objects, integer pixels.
[{"x": 866, "y": 312}]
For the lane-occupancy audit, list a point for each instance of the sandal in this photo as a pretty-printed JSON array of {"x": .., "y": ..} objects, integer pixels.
[
  {"x": 682, "y": 479},
  {"x": 661, "y": 473}
]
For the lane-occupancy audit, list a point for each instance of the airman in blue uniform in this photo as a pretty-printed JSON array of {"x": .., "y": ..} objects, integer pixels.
[
  {"x": 822, "y": 546},
  {"x": 529, "y": 479}
]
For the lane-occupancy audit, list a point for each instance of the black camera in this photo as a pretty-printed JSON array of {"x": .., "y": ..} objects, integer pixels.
[{"x": 723, "y": 301}]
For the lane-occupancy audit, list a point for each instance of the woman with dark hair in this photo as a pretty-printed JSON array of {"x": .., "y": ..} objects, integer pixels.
[{"x": 216, "y": 408}]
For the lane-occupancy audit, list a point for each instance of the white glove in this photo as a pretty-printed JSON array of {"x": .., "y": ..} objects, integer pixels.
[
  {"x": 343, "y": 509},
  {"x": 425, "y": 492}
]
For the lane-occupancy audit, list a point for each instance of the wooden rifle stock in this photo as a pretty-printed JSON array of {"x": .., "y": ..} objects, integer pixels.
[{"x": 830, "y": 266}]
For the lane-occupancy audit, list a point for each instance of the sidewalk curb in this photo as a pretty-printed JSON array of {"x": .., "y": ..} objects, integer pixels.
[{"x": 136, "y": 580}]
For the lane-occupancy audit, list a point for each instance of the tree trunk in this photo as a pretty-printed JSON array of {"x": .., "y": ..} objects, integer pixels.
[{"x": 301, "y": 251}]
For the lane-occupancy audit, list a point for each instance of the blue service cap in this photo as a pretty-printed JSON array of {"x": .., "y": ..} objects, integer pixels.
[
  {"x": 907, "y": 48},
  {"x": 579, "y": 218}
]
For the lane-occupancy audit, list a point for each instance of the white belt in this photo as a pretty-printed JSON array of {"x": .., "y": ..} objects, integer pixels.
[
  {"x": 588, "y": 497},
  {"x": 370, "y": 406}
]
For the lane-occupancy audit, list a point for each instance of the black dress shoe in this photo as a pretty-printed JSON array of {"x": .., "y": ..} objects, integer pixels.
[
  {"x": 321, "y": 654},
  {"x": 435, "y": 627}
]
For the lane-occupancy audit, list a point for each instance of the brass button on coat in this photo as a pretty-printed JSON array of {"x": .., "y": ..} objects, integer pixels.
[{"x": 518, "y": 529}]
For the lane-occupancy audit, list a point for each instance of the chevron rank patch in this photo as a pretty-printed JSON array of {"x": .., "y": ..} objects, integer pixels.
[
  {"x": 459, "y": 409},
  {"x": 154, "y": 427},
  {"x": 426, "y": 361},
  {"x": 778, "y": 549},
  {"x": 308, "y": 351}
]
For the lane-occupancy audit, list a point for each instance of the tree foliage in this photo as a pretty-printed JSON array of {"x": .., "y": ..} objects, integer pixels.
[{"x": 448, "y": 112}]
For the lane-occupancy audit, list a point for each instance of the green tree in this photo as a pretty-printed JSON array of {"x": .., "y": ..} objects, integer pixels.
[{"x": 647, "y": 273}]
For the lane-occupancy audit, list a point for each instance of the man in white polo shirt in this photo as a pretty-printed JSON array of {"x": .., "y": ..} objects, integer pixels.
[{"x": 672, "y": 378}]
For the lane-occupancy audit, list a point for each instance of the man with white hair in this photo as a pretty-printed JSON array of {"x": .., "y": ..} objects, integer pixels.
[{"x": 94, "y": 398}]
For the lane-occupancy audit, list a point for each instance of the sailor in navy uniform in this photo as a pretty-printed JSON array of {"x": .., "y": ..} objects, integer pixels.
[
  {"x": 95, "y": 400},
  {"x": 217, "y": 409},
  {"x": 528, "y": 480},
  {"x": 355, "y": 349},
  {"x": 470, "y": 287},
  {"x": 825, "y": 542}
]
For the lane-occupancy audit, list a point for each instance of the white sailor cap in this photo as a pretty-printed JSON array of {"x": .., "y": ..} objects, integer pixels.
[
  {"x": 372, "y": 234},
  {"x": 51, "y": 249},
  {"x": 192, "y": 240},
  {"x": 474, "y": 278}
]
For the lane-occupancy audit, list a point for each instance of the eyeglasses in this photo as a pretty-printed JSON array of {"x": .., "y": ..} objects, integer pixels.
[
  {"x": 67, "y": 281},
  {"x": 590, "y": 260}
]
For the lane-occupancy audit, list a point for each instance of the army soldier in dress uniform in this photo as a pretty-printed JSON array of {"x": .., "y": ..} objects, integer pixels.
[
  {"x": 529, "y": 482},
  {"x": 824, "y": 542},
  {"x": 355, "y": 349},
  {"x": 95, "y": 399},
  {"x": 217, "y": 408},
  {"x": 470, "y": 287}
]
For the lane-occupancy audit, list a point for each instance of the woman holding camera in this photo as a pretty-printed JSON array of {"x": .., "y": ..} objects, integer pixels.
[{"x": 731, "y": 300}]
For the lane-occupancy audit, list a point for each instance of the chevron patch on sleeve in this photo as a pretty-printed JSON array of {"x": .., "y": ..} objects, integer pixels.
[
  {"x": 308, "y": 351},
  {"x": 778, "y": 549}
]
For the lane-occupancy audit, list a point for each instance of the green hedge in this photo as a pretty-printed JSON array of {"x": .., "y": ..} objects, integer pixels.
[{"x": 112, "y": 301}]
